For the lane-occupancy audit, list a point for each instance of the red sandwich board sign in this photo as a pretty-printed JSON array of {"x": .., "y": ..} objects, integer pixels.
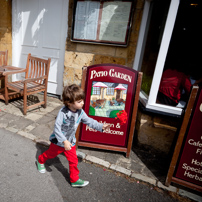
[
  {"x": 110, "y": 89},
  {"x": 190, "y": 164},
  {"x": 186, "y": 164}
]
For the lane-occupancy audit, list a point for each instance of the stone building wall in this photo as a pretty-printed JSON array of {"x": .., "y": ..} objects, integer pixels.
[
  {"x": 78, "y": 55},
  {"x": 156, "y": 131},
  {"x": 151, "y": 130},
  {"x": 6, "y": 27}
]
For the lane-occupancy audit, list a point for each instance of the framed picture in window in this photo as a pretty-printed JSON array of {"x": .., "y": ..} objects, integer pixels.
[{"x": 102, "y": 22}]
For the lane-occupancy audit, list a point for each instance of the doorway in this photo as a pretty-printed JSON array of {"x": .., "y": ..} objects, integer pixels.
[
  {"x": 40, "y": 28},
  {"x": 183, "y": 53}
]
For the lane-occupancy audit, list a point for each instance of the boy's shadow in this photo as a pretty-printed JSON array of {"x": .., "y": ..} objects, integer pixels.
[{"x": 53, "y": 162}]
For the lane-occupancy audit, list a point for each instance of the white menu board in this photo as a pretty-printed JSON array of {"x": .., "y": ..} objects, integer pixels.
[
  {"x": 114, "y": 21},
  {"x": 102, "y": 21},
  {"x": 86, "y": 20}
]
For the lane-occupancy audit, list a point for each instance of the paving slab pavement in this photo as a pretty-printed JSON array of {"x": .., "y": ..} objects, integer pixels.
[{"x": 38, "y": 124}]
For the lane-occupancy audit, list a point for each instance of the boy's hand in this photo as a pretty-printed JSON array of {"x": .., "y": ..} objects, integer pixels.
[
  {"x": 67, "y": 145},
  {"x": 106, "y": 126}
]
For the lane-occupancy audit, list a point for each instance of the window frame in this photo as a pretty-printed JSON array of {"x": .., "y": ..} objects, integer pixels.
[
  {"x": 110, "y": 91},
  {"x": 97, "y": 25},
  {"x": 96, "y": 90},
  {"x": 149, "y": 101}
]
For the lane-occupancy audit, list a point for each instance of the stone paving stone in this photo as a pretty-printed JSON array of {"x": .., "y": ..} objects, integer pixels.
[
  {"x": 55, "y": 111},
  {"x": 2, "y": 113},
  {"x": 137, "y": 165},
  {"x": 33, "y": 116},
  {"x": 20, "y": 123},
  {"x": 45, "y": 119},
  {"x": 54, "y": 100},
  {"x": 7, "y": 119},
  {"x": 55, "y": 105},
  {"x": 124, "y": 162},
  {"x": 42, "y": 131},
  {"x": 145, "y": 171},
  {"x": 51, "y": 124},
  {"x": 98, "y": 153},
  {"x": 30, "y": 127},
  {"x": 112, "y": 156},
  {"x": 18, "y": 113},
  {"x": 2, "y": 103},
  {"x": 46, "y": 110},
  {"x": 3, "y": 124},
  {"x": 13, "y": 108},
  {"x": 84, "y": 150}
]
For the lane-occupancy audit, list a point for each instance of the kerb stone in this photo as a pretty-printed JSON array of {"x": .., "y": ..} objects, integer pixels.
[
  {"x": 27, "y": 135},
  {"x": 97, "y": 161},
  {"x": 190, "y": 195},
  {"x": 120, "y": 169},
  {"x": 81, "y": 154},
  {"x": 170, "y": 188},
  {"x": 144, "y": 178}
]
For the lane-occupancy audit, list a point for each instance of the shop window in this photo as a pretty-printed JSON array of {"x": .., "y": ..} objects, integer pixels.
[
  {"x": 102, "y": 22},
  {"x": 153, "y": 42},
  {"x": 182, "y": 66},
  {"x": 169, "y": 38}
]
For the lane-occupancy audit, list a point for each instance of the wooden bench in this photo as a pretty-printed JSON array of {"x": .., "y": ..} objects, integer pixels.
[{"x": 36, "y": 80}]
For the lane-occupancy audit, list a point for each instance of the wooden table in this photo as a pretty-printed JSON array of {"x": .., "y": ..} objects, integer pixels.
[{"x": 4, "y": 72}]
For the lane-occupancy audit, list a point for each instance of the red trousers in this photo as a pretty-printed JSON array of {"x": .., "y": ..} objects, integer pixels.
[{"x": 71, "y": 156}]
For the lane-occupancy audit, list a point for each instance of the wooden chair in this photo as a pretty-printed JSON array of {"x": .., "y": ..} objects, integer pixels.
[
  {"x": 3, "y": 62},
  {"x": 3, "y": 58},
  {"x": 36, "y": 80}
]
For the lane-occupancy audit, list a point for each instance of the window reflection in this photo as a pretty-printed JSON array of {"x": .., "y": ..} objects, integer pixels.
[
  {"x": 182, "y": 67},
  {"x": 153, "y": 42}
]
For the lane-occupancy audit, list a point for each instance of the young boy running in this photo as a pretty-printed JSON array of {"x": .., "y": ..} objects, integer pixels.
[{"x": 63, "y": 139}]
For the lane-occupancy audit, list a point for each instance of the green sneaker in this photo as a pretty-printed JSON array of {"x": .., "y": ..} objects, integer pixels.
[
  {"x": 41, "y": 167},
  {"x": 80, "y": 183}
]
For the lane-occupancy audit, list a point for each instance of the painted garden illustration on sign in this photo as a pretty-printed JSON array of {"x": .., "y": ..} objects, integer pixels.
[{"x": 107, "y": 99}]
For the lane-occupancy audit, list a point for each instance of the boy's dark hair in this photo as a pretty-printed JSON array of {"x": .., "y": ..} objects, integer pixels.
[{"x": 71, "y": 94}]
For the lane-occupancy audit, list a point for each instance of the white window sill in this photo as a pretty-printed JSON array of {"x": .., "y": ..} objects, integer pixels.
[{"x": 159, "y": 107}]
